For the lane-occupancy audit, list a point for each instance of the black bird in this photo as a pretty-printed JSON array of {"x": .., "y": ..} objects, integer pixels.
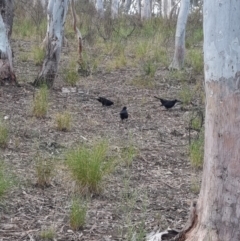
[
  {"x": 104, "y": 101},
  {"x": 167, "y": 103},
  {"x": 124, "y": 113}
]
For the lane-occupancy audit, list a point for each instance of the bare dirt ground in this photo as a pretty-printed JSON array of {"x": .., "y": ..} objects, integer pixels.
[{"x": 153, "y": 193}]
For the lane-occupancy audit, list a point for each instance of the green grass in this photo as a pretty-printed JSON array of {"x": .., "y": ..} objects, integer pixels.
[
  {"x": 3, "y": 134},
  {"x": 89, "y": 166},
  {"x": 40, "y": 102},
  {"x": 78, "y": 214},
  {"x": 38, "y": 54},
  {"x": 150, "y": 68},
  {"x": 194, "y": 58},
  {"x": 70, "y": 74},
  {"x": 48, "y": 234},
  {"x": 196, "y": 151},
  {"x": 185, "y": 94},
  {"x": 128, "y": 153},
  {"x": 4, "y": 180},
  {"x": 44, "y": 172},
  {"x": 63, "y": 121}
]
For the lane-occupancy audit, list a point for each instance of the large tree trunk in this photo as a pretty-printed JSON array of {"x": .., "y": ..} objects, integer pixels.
[
  {"x": 57, "y": 10},
  {"x": 217, "y": 214},
  {"x": 6, "y": 7},
  {"x": 6, "y": 64},
  {"x": 178, "y": 59}
]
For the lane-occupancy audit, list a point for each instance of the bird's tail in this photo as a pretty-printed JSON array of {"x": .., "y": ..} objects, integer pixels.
[{"x": 157, "y": 97}]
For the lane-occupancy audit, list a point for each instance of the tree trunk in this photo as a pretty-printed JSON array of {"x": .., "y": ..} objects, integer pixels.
[
  {"x": 146, "y": 13},
  {"x": 127, "y": 5},
  {"x": 178, "y": 59},
  {"x": 6, "y": 7},
  {"x": 166, "y": 8},
  {"x": 99, "y": 8},
  {"x": 6, "y": 65},
  {"x": 217, "y": 214},
  {"x": 57, "y": 10},
  {"x": 114, "y": 9}
]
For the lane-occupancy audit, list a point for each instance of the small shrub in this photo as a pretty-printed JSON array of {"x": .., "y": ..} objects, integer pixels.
[
  {"x": 141, "y": 49},
  {"x": 78, "y": 214},
  {"x": 44, "y": 172},
  {"x": 70, "y": 75},
  {"x": 150, "y": 68},
  {"x": 196, "y": 150},
  {"x": 4, "y": 180},
  {"x": 89, "y": 166},
  {"x": 48, "y": 234},
  {"x": 40, "y": 102},
  {"x": 38, "y": 55},
  {"x": 128, "y": 154},
  {"x": 186, "y": 94},
  {"x": 63, "y": 121},
  {"x": 3, "y": 134}
]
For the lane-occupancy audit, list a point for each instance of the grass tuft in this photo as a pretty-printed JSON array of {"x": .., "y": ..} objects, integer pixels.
[
  {"x": 78, "y": 214},
  {"x": 40, "y": 102},
  {"x": 196, "y": 151},
  {"x": 195, "y": 60},
  {"x": 89, "y": 166},
  {"x": 3, "y": 134},
  {"x": 48, "y": 234},
  {"x": 44, "y": 172},
  {"x": 4, "y": 180},
  {"x": 63, "y": 121},
  {"x": 38, "y": 55},
  {"x": 186, "y": 94}
]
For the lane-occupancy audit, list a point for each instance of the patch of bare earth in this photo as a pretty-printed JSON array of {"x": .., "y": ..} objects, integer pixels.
[{"x": 153, "y": 193}]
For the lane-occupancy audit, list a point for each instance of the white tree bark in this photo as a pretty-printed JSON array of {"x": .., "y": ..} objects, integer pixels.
[
  {"x": 166, "y": 8},
  {"x": 218, "y": 208},
  {"x": 127, "y": 5},
  {"x": 146, "y": 12},
  {"x": 114, "y": 8},
  {"x": 5, "y": 48},
  {"x": 6, "y": 7},
  {"x": 178, "y": 59},
  {"x": 99, "y": 7},
  {"x": 6, "y": 63},
  {"x": 57, "y": 10}
]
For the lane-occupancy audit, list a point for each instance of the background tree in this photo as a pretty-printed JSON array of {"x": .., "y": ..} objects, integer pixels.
[
  {"x": 6, "y": 22},
  {"x": 178, "y": 59},
  {"x": 7, "y": 14},
  {"x": 216, "y": 215},
  {"x": 146, "y": 12},
  {"x": 57, "y": 11},
  {"x": 114, "y": 8}
]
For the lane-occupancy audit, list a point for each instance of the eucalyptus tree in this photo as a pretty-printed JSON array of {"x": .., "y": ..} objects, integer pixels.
[
  {"x": 6, "y": 22},
  {"x": 57, "y": 10},
  {"x": 179, "y": 53},
  {"x": 216, "y": 214}
]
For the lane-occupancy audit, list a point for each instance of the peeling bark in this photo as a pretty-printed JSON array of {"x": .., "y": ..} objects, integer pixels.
[
  {"x": 57, "y": 10},
  {"x": 218, "y": 206}
]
